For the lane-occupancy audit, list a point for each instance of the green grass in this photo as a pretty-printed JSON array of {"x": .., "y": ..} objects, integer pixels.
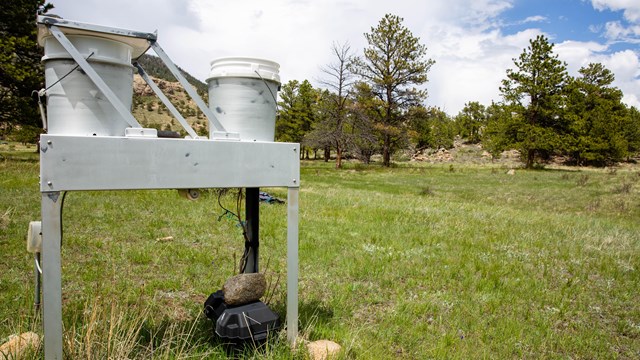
[{"x": 417, "y": 261}]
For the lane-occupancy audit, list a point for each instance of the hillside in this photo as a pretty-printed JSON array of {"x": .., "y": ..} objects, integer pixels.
[
  {"x": 156, "y": 68},
  {"x": 151, "y": 112}
]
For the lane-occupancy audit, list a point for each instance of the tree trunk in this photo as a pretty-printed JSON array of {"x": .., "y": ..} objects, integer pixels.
[
  {"x": 338, "y": 156},
  {"x": 530, "y": 157},
  {"x": 386, "y": 151},
  {"x": 327, "y": 153}
]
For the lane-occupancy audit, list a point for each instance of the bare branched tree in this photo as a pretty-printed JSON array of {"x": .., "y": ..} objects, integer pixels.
[{"x": 338, "y": 80}]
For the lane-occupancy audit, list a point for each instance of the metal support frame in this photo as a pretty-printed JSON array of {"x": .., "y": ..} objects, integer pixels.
[
  {"x": 74, "y": 163},
  {"x": 71, "y": 163},
  {"x": 166, "y": 101},
  {"x": 187, "y": 87}
]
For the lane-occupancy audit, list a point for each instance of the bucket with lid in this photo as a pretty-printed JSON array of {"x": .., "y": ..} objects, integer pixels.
[
  {"x": 242, "y": 95},
  {"x": 75, "y": 106}
]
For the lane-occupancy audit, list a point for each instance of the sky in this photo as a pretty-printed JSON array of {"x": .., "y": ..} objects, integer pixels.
[{"x": 473, "y": 42}]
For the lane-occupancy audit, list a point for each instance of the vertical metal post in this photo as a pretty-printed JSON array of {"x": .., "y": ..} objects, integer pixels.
[
  {"x": 52, "y": 275},
  {"x": 252, "y": 216},
  {"x": 292, "y": 264}
]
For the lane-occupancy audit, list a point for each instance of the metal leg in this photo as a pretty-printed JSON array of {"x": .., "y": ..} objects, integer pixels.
[
  {"x": 292, "y": 265},
  {"x": 51, "y": 275},
  {"x": 252, "y": 215}
]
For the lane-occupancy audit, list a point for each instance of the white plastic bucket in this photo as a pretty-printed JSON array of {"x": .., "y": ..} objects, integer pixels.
[
  {"x": 242, "y": 95},
  {"x": 75, "y": 106}
]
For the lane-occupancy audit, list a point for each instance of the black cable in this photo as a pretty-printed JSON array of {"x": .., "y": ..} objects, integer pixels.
[
  {"x": 67, "y": 74},
  {"x": 245, "y": 255}
]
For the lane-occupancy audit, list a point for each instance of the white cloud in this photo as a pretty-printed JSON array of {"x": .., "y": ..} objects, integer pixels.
[
  {"x": 536, "y": 18},
  {"x": 631, "y": 8},
  {"x": 615, "y": 31}
]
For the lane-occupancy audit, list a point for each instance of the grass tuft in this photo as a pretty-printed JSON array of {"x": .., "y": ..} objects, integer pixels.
[
  {"x": 624, "y": 188},
  {"x": 427, "y": 191},
  {"x": 5, "y": 219},
  {"x": 583, "y": 180}
]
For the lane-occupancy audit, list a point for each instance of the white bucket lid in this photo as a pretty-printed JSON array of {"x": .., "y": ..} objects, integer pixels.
[{"x": 245, "y": 67}]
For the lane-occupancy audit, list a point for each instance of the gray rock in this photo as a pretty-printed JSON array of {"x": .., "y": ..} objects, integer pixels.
[{"x": 244, "y": 288}]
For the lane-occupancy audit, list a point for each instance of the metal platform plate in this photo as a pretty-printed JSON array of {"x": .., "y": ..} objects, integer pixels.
[{"x": 121, "y": 163}]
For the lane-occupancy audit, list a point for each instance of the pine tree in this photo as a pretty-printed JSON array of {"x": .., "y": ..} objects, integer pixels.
[
  {"x": 535, "y": 94},
  {"x": 297, "y": 112},
  {"x": 394, "y": 62},
  {"x": 598, "y": 118},
  {"x": 471, "y": 120},
  {"x": 20, "y": 69}
]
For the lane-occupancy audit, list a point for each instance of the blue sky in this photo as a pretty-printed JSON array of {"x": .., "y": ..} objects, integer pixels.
[
  {"x": 472, "y": 41},
  {"x": 561, "y": 19}
]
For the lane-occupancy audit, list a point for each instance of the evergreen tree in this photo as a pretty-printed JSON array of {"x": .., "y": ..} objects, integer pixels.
[
  {"x": 598, "y": 118},
  {"x": 297, "y": 113},
  {"x": 535, "y": 95},
  {"x": 500, "y": 128},
  {"x": 20, "y": 69},
  {"x": 431, "y": 127},
  {"x": 364, "y": 112},
  {"x": 471, "y": 120},
  {"x": 393, "y": 63},
  {"x": 632, "y": 131}
]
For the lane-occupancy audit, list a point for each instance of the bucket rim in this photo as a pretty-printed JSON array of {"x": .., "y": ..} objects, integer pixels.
[{"x": 246, "y": 59}]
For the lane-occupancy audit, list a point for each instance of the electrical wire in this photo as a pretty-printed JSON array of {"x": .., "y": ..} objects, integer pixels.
[{"x": 243, "y": 260}]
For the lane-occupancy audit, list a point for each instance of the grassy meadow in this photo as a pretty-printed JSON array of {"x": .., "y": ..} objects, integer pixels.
[{"x": 417, "y": 261}]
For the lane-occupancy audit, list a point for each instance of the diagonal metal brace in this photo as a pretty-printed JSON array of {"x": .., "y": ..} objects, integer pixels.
[
  {"x": 93, "y": 75},
  {"x": 188, "y": 88},
  {"x": 166, "y": 101}
]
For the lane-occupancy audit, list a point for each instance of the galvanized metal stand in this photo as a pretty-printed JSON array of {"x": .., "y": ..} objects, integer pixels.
[{"x": 140, "y": 161}]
